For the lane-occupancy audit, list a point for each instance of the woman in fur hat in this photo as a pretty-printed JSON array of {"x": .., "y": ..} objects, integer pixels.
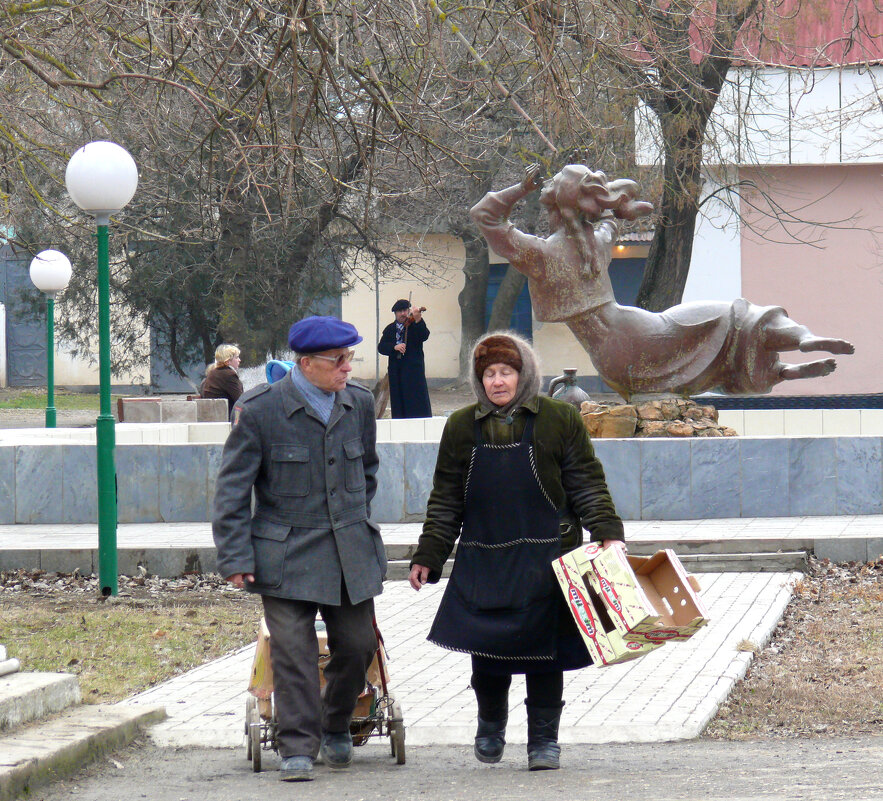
[{"x": 513, "y": 470}]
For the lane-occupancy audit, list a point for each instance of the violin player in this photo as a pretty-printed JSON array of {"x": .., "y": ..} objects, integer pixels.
[{"x": 402, "y": 341}]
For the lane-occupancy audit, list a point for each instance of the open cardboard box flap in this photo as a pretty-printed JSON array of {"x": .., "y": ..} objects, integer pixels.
[{"x": 649, "y": 599}]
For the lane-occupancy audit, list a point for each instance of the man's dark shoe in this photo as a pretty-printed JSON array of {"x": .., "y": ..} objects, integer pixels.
[
  {"x": 490, "y": 739},
  {"x": 337, "y": 749},
  {"x": 296, "y": 769}
]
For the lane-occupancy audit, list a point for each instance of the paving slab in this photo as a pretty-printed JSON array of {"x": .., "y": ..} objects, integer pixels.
[{"x": 669, "y": 694}]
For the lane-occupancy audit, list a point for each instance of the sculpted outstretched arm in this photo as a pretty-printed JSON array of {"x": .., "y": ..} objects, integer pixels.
[{"x": 491, "y": 215}]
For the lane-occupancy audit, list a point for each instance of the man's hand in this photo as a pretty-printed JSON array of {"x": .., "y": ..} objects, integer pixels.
[
  {"x": 419, "y": 576},
  {"x": 532, "y": 179},
  {"x": 416, "y": 314},
  {"x": 401, "y": 348},
  {"x": 238, "y": 580}
]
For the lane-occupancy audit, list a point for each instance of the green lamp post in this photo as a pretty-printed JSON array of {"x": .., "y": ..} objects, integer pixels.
[
  {"x": 101, "y": 178},
  {"x": 50, "y": 272}
]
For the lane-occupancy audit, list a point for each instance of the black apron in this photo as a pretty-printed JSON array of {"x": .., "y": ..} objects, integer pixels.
[{"x": 502, "y": 598}]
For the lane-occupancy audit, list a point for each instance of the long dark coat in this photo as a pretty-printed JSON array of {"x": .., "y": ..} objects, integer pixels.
[
  {"x": 408, "y": 393},
  {"x": 309, "y": 526}
]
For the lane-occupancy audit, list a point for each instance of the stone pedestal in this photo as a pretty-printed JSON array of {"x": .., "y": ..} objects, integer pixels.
[{"x": 669, "y": 417}]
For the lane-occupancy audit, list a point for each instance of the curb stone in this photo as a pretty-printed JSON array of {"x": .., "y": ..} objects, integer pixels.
[{"x": 50, "y": 750}]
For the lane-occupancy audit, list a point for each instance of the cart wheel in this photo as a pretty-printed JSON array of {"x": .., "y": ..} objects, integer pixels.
[
  {"x": 397, "y": 734},
  {"x": 254, "y": 739},
  {"x": 250, "y": 703}
]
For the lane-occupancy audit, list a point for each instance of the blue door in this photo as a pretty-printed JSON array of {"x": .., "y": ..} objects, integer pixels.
[{"x": 522, "y": 320}]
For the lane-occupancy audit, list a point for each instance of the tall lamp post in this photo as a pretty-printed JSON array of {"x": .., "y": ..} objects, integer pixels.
[
  {"x": 50, "y": 273},
  {"x": 101, "y": 178}
]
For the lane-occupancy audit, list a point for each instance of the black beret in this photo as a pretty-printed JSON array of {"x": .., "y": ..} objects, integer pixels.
[
  {"x": 315, "y": 334},
  {"x": 401, "y": 305}
]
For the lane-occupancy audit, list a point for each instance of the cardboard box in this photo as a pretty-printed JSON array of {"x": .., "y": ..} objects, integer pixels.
[
  {"x": 605, "y": 644},
  {"x": 650, "y": 599},
  {"x": 260, "y": 683}
]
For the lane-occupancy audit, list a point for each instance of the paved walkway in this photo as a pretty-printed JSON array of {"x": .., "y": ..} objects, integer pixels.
[{"x": 669, "y": 694}]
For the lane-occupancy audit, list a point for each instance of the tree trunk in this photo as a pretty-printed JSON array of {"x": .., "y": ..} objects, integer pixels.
[
  {"x": 668, "y": 262},
  {"x": 472, "y": 297},
  {"x": 507, "y": 295}
]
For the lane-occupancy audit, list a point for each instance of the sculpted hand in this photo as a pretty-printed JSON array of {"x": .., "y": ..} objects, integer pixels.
[
  {"x": 238, "y": 579},
  {"x": 419, "y": 576},
  {"x": 532, "y": 179}
]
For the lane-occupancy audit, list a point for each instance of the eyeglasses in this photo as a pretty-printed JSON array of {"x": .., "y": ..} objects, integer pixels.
[{"x": 339, "y": 361}]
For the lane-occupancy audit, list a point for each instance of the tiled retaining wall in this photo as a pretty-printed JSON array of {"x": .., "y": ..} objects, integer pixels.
[{"x": 650, "y": 479}]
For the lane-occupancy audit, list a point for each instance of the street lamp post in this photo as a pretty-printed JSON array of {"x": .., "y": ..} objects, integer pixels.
[
  {"x": 50, "y": 272},
  {"x": 101, "y": 178}
]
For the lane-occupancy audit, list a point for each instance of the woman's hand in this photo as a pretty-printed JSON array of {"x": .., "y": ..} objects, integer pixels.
[
  {"x": 532, "y": 179},
  {"x": 419, "y": 576},
  {"x": 614, "y": 544}
]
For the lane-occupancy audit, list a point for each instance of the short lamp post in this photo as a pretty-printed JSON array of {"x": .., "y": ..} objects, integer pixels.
[
  {"x": 50, "y": 273},
  {"x": 101, "y": 178}
]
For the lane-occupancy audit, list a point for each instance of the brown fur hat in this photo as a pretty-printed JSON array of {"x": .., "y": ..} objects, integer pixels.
[{"x": 496, "y": 350}]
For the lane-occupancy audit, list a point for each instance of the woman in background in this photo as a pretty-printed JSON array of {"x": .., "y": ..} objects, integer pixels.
[{"x": 221, "y": 380}]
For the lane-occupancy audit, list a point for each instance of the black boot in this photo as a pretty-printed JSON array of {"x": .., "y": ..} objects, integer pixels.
[
  {"x": 493, "y": 714},
  {"x": 490, "y": 739},
  {"x": 543, "y": 750}
]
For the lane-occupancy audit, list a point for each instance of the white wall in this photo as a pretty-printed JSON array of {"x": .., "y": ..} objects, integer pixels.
[{"x": 795, "y": 116}]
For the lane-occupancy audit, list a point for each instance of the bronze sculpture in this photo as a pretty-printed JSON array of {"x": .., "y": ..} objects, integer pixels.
[{"x": 687, "y": 349}]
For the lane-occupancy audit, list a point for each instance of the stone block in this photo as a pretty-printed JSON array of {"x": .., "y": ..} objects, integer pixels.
[
  {"x": 764, "y": 477},
  {"x": 38, "y": 483},
  {"x": 803, "y": 422},
  {"x": 208, "y": 432},
  {"x": 7, "y": 484},
  {"x": 79, "y": 484},
  {"x": 138, "y": 469},
  {"x": 875, "y": 548},
  {"x": 665, "y": 479},
  {"x": 419, "y": 468},
  {"x": 764, "y": 422},
  {"x": 842, "y": 549},
  {"x": 26, "y": 559},
  {"x": 213, "y": 454},
  {"x": 211, "y": 410},
  {"x": 859, "y": 476},
  {"x": 812, "y": 476},
  {"x": 388, "y": 505},
  {"x": 178, "y": 411},
  {"x": 842, "y": 422},
  {"x": 68, "y": 560},
  {"x": 183, "y": 483},
  {"x": 621, "y": 460},
  {"x": 872, "y": 422},
  {"x": 142, "y": 410},
  {"x": 716, "y": 476}
]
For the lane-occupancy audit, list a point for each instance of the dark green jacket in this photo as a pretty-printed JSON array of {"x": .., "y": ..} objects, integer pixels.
[{"x": 566, "y": 465}]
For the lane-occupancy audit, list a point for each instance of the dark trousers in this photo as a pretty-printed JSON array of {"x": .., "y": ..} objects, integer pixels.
[
  {"x": 301, "y": 714},
  {"x": 544, "y": 690}
]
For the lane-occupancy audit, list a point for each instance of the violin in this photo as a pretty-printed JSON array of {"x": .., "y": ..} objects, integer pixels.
[{"x": 410, "y": 318}]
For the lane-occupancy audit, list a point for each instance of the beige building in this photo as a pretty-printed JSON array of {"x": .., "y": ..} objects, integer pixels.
[{"x": 367, "y": 305}]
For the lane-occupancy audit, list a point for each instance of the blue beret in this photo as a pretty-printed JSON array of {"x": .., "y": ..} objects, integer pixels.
[{"x": 315, "y": 334}]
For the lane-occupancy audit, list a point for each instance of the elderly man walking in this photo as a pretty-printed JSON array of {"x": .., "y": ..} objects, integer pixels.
[{"x": 306, "y": 445}]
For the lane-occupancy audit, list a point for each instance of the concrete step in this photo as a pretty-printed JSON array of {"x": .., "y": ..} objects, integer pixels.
[
  {"x": 50, "y": 750},
  {"x": 25, "y": 697}
]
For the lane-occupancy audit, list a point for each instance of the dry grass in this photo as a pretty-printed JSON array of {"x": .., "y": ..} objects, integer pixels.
[
  {"x": 120, "y": 646},
  {"x": 822, "y": 672}
]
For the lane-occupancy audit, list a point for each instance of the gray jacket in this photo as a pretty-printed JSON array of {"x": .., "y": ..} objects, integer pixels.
[{"x": 313, "y": 487}]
